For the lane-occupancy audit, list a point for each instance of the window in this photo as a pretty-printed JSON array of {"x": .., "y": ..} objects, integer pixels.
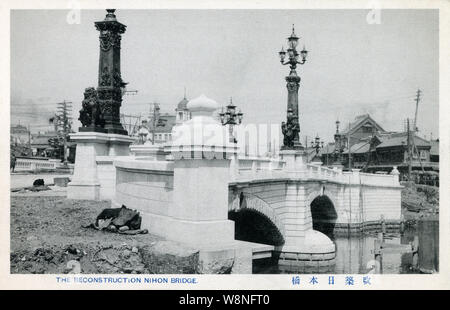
[
  {"x": 367, "y": 128},
  {"x": 423, "y": 154}
]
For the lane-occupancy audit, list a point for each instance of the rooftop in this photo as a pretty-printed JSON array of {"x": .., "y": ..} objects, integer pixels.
[
  {"x": 165, "y": 123},
  {"x": 398, "y": 139},
  {"x": 360, "y": 121}
]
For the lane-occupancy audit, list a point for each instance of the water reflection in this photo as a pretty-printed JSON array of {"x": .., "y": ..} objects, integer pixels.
[{"x": 354, "y": 254}]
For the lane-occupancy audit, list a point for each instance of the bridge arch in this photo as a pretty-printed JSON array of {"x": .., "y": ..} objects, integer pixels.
[
  {"x": 323, "y": 212},
  {"x": 322, "y": 191},
  {"x": 248, "y": 205}
]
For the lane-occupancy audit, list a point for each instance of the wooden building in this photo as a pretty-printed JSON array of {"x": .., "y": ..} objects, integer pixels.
[{"x": 373, "y": 149}]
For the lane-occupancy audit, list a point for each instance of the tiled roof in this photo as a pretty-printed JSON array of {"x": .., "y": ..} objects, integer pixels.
[
  {"x": 165, "y": 124},
  {"x": 329, "y": 148},
  {"x": 401, "y": 139},
  {"x": 359, "y": 121}
]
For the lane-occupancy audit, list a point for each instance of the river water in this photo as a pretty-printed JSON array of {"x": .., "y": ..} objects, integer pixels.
[{"x": 355, "y": 254}]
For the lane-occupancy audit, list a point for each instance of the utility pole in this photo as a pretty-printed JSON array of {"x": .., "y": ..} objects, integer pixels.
[
  {"x": 408, "y": 145},
  {"x": 306, "y": 149},
  {"x": 349, "y": 152},
  {"x": 416, "y": 129},
  {"x": 64, "y": 124},
  {"x": 29, "y": 138},
  {"x": 154, "y": 117},
  {"x": 128, "y": 124}
]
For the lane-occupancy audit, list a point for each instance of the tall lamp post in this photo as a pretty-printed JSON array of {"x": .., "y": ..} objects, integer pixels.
[
  {"x": 291, "y": 128},
  {"x": 338, "y": 145},
  {"x": 317, "y": 145},
  {"x": 231, "y": 118}
]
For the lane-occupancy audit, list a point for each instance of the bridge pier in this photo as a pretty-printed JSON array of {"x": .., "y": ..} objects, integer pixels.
[{"x": 86, "y": 182}]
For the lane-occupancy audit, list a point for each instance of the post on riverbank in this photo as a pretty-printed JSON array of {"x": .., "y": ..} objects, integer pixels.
[
  {"x": 378, "y": 254},
  {"x": 415, "y": 253}
]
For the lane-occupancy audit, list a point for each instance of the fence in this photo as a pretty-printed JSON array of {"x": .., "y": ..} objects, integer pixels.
[
  {"x": 256, "y": 168},
  {"x": 34, "y": 164}
]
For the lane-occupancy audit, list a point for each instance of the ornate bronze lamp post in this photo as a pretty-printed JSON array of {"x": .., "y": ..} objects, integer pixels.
[
  {"x": 338, "y": 145},
  {"x": 231, "y": 118},
  {"x": 317, "y": 145},
  {"x": 291, "y": 128}
]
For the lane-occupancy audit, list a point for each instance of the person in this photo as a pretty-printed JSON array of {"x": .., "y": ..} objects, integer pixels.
[{"x": 12, "y": 163}]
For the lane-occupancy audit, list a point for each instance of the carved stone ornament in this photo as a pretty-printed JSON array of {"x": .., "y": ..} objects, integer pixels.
[
  {"x": 292, "y": 86},
  {"x": 117, "y": 79},
  {"x": 109, "y": 39},
  {"x": 105, "y": 77}
]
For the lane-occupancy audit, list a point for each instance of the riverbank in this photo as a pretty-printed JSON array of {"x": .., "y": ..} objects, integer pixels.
[
  {"x": 47, "y": 234},
  {"x": 419, "y": 202}
]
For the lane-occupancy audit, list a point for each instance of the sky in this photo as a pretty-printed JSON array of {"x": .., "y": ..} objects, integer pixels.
[{"x": 352, "y": 68}]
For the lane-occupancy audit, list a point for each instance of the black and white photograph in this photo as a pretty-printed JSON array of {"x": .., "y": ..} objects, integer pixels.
[{"x": 298, "y": 145}]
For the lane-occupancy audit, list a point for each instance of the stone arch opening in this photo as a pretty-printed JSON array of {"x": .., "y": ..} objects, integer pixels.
[
  {"x": 323, "y": 215},
  {"x": 255, "y": 220},
  {"x": 253, "y": 226}
]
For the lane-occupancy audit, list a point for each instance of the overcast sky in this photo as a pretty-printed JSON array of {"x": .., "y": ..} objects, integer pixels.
[{"x": 353, "y": 67}]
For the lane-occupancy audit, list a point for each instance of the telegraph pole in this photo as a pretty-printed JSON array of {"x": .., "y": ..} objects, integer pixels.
[
  {"x": 349, "y": 152},
  {"x": 29, "y": 139},
  {"x": 306, "y": 148},
  {"x": 154, "y": 116},
  {"x": 416, "y": 129},
  {"x": 408, "y": 145},
  {"x": 64, "y": 124}
]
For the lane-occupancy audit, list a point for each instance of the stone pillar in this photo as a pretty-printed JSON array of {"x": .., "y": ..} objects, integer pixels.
[
  {"x": 202, "y": 152},
  {"x": 85, "y": 181},
  {"x": 397, "y": 174}
]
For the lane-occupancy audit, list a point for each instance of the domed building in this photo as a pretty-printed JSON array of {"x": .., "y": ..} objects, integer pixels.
[
  {"x": 162, "y": 129},
  {"x": 182, "y": 112}
]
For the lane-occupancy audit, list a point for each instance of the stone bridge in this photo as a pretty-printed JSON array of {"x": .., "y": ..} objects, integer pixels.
[
  {"x": 195, "y": 189},
  {"x": 313, "y": 198}
]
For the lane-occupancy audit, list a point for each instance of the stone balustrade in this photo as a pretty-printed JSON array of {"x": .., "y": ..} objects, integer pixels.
[
  {"x": 34, "y": 164},
  {"x": 256, "y": 168}
]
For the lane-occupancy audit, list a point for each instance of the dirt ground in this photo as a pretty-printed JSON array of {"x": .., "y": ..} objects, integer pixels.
[
  {"x": 47, "y": 234},
  {"x": 420, "y": 201}
]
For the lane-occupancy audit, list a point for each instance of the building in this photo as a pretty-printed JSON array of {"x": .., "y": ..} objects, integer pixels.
[
  {"x": 19, "y": 135},
  {"x": 165, "y": 122},
  {"x": 163, "y": 128},
  {"x": 47, "y": 144},
  {"x": 374, "y": 149},
  {"x": 40, "y": 144},
  {"x": 182, "y": 112},
  {"x": 434, "y": 151}
]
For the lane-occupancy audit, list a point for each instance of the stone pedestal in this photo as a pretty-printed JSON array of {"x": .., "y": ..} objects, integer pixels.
[
  {"x": 202, "y": 154},
  {"x": 85, "y": 181},
  {"x": 295, "y": 160}
]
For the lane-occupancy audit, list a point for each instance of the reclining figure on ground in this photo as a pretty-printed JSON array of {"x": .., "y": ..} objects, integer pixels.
[{"x": 121, "y": 220}]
